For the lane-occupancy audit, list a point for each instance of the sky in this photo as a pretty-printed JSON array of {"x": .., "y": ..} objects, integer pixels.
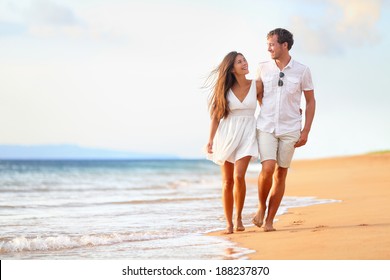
[{"x": 128, "y": 75}]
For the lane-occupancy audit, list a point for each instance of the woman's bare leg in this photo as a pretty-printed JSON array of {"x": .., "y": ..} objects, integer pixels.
[
  {"x": 240, "y": 168},
  {"x": 227, "y": 194}
]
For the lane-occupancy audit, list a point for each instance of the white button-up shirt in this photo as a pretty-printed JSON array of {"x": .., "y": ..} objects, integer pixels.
[{"x": 279, "y": 111}]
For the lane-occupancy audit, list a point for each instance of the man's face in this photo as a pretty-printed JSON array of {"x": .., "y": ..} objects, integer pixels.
[{"x": 274, "y": 48}]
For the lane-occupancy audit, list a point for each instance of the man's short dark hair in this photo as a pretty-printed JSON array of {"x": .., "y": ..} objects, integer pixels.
[{"x": 283, "y": 36}]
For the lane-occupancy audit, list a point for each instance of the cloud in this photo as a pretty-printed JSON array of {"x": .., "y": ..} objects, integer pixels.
[
  {"x": 11, "y": 28},
  {"x": 342, "y": 24},
  {"x": 40, "y": 18},
  {"x": 46, "y": 19},
  {"x": 44, "y": 12},
  {"x": 359, "y": 19}
]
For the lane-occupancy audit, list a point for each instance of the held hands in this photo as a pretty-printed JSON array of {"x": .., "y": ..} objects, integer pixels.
[{"x": 302, "y": 139}]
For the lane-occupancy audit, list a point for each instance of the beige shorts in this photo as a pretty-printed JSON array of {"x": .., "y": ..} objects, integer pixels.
[{"x": 280, "y": 148}]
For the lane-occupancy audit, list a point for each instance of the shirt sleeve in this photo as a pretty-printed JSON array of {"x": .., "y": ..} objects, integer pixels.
[
  {"x": 258, "y": 73},
  {"x": 307, "y": 82}
]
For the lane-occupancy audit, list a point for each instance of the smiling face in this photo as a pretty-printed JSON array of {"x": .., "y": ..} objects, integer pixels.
[
  {"x": 240, "y": 66},
  {"x": 275, "y": 49}
]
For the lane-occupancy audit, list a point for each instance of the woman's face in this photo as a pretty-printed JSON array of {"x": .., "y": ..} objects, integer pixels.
[{"x": 240, "y": 66}]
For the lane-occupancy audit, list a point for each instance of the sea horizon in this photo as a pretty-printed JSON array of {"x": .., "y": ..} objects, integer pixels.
[{"x": 78, "y": 152}]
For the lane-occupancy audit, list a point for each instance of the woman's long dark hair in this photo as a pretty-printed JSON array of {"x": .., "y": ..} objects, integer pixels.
[{"x": 218, "y": 104}]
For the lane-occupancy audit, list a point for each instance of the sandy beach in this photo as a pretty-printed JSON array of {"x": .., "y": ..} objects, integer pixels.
[{"x": 355, "y": 228}]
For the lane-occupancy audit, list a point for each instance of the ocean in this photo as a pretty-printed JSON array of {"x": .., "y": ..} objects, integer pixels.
[{"x": 118, "y": 209}]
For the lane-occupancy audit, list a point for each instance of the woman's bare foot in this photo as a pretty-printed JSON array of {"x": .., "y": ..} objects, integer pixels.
[
  {"x": 258, "y": 218},
  {"x": 229, "y": 230}
]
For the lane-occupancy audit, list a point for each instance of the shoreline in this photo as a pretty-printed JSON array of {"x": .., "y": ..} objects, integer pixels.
[{"x": 356, "y": 228}]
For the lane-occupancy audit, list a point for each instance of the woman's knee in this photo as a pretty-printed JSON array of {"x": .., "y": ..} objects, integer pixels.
[
  {"x": 227, "y": 184},
  {"x": 239, "y": 178}
]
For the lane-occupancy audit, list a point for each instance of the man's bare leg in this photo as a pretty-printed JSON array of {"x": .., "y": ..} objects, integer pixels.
[
  {"x": 264, "y": 187},
  {"x": 276, "y": 196}
]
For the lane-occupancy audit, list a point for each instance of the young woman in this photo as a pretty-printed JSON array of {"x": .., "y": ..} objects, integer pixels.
[{"x": 232, "y": 141}]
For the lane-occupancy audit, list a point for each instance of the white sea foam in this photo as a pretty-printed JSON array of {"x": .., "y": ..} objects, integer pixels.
[{"x": 53, "y": 243}]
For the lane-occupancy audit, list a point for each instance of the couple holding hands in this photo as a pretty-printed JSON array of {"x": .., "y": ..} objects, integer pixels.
[{"x": 237, "y": 137}]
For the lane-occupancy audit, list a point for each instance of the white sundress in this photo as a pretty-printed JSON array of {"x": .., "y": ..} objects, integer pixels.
[{"x": 236, "y": 134}]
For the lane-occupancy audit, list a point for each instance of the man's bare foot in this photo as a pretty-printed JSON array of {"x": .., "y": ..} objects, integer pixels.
[
  {"x": 269, "y": 227},
  {"x": 258, "y": 218},
  {"x": 240, "y": 226}
]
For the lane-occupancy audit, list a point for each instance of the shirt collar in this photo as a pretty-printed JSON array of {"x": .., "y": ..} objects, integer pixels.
[{"x": 289, "y": 65}]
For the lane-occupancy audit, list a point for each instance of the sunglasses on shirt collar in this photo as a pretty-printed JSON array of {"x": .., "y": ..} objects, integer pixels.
[{"x": 280, "y": 82}]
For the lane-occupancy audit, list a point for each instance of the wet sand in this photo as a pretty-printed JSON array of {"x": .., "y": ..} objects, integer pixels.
[{"x": 355, "y": 228}]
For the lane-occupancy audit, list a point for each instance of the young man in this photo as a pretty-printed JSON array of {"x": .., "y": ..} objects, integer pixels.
[{"x": 279, "y": 122}]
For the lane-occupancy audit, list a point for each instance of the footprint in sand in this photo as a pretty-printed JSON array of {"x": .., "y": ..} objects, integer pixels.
[
  {"x": 297, "y": 223},
  {"x": 320, "y": 227}
]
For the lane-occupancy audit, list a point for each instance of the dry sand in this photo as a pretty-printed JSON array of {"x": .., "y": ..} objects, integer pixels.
[{"x": 356, "y": 228}]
